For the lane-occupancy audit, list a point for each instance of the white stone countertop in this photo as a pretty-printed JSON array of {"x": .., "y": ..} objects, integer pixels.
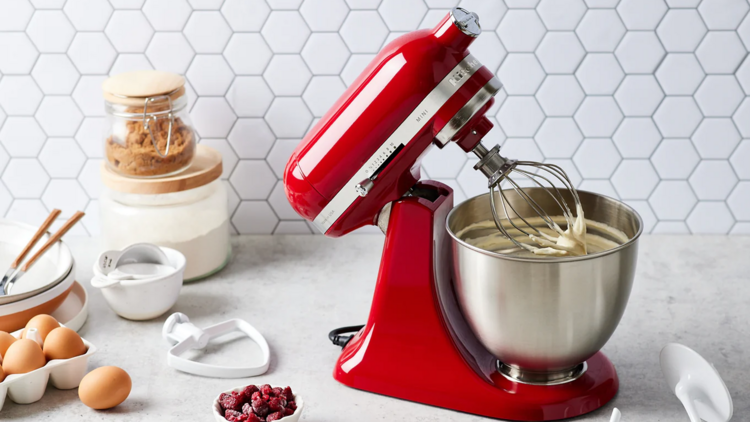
[{"x": 294, "y": 289}]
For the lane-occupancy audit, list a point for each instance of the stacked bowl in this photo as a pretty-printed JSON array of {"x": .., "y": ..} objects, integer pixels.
[{"x": 46, "y": 284}]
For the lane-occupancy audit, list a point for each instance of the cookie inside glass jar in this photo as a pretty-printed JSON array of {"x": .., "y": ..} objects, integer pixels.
[{"x": 148, "y": 132}]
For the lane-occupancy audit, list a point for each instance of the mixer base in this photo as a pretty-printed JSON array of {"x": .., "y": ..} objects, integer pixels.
[{"x": 416, "y": 345}]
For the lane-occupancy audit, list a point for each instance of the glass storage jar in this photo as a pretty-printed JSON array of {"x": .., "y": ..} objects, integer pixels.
[
  {"x": 148, "y": 132},
  {"x": 187, "y": 212}
]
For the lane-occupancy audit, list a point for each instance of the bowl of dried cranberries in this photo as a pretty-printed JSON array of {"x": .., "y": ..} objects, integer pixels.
[{"x": 258, "y": 403}]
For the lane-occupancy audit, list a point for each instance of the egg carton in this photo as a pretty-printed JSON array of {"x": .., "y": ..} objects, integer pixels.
[{"x": 64, "y": 374}]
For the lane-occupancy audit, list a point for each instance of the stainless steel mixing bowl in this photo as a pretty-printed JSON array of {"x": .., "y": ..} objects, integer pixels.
[{"x": 542, "y": 318}]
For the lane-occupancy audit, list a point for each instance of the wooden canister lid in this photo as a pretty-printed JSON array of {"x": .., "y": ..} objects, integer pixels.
[
  {"x": 132, "y": 88},
  {"x": 205, "y": 168}
]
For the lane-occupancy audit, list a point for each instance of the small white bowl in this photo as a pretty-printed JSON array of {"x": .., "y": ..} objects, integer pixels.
[
  {"x": 143, "y": 299},
  {"x": 294, "y": 417}
]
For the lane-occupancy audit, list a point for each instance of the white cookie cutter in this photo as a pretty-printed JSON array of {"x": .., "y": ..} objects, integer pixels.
[{"x": 185, "y": 336}]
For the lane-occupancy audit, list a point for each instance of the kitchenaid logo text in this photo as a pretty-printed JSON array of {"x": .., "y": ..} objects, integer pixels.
[{"x": 460, "y": 73}]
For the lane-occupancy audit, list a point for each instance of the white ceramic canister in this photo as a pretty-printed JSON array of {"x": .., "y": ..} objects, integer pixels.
[{"x": 187, "y": 212}]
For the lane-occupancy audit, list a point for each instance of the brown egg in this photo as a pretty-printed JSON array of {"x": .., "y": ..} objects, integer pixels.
[
  {"x": 2, "y": 374},
  {"x": 23, "y": 356},
  {"x": 43, "y": 323},
  {"x": 104, "y": 387},
  {"x": 63, "y": 343},
  {"x": 5, "y": 341}
]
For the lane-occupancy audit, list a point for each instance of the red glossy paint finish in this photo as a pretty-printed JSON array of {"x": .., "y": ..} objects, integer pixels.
[
  {"x": 417, "y": 347},
  {"x": 373, "y": 107}
]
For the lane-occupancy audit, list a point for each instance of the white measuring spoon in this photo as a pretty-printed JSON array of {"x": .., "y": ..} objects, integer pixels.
[{"x": 696, "y": 383}]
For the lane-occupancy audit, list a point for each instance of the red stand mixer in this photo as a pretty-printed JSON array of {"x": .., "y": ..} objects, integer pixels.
[{"x": 360, "y": 165}]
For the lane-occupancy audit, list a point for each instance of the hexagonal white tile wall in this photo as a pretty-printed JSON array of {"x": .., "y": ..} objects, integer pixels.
[
  {"x": 210, "y": 74},
  {"x": 598, "y": 116},
  {"x": 287, "y": 75},
  {"x": 171, "y": 52},
  {"x": 635, "y": 179},
  {"x": 719, "y": 95},
  {"x": 597, "y": 158},
  {"x": 639, "y": 52},
  {"x": 637, "y": 137},
  {"x": 739, "y": 160},
  {"x": 245, "y": 15},
  {"x": 560, "y": 95},
  {"x": 559, "y": 137},
  {"x": 207, "y": 32},
  {"x": 600, "y": 30},
  {"x": 66, "y": 195},
  {"x": 22, "y": 137},
  {"x": 88, "y": 15},
  {"x": 55, "y": 74},
  {"x": 723, "y": 14},
  {"x": 285, "y": 32},
  {"x": 521, "y": 74},
  {"x": 50, "y": 31},
  {"x": 249, "y": 96},
  {"x": 561, "y": 14},
  {"x": 520, "y": 116},
  {"x": 739, "y": 201},
  {"x": 641, "y": 14},
  {"x": 61, "y": 157},
  {"x": 25, "y": 178},
  {"x": 677, "y": 117},
  {"x": 681, "y": 30},
  {"x": 710, "y": 218},
  {"x": 325, "y": 53},
  {"x": 259, "y": 70},
  {"x": 560, "y": 52},
  {"x": 289, "y": 117},
  {"x": 322, "y": 93},
  {"x": 521, "y": 30},
  {"x": 130, "y": 62},
  {"x": 672, "y": 200},
  {"x": 675, "y": 159},
  {"x": 167, "y": 15},
  {"x": 129, "y": 31},
  {"x": 713, "y": 180},
  {"x": 600, "y": 74},
  {"x": 716, "y": 138},
  {"x": 364, "y": 31},
  {"x": 639, "y": 95},
  {"x": 680, "y": 74},
  {"x": 721, "y": 52}
]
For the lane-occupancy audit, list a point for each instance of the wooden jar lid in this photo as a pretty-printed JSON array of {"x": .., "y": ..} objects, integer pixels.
[
  {"x": 132, "y": 88},
  {"x": 205, "y": 168}
]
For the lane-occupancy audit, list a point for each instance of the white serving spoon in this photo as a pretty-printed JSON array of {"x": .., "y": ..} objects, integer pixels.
[{"x": 696, "y": 383}]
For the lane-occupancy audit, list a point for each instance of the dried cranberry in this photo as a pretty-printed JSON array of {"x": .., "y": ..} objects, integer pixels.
[
  {"x": 252, "y": 417},
  {"x": 288, "y": 394},
  {"x": 256, "y": 395},
  {"x": 266, "y": 389},
  {"x": 288, "y": 412},
  {"x": 260, "y": 407},
  {"x": 277, "y": 391},
  {"x": 247, "y": 408},
  {"x": 275, "y": 416},
  {"x": 275, "y": 405},
  {"x": 292, "y": 405},
  {"x": 266, "y": 397}
]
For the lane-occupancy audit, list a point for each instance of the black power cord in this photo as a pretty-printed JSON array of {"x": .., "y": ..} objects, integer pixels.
[{"x": 338, "y": 339}]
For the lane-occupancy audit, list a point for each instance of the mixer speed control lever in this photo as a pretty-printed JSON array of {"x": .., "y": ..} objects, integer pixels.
[{"x": 363, "y": 187}]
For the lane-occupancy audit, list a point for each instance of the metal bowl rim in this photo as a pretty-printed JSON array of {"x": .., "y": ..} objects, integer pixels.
[{"x": 549, "y": 260}]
